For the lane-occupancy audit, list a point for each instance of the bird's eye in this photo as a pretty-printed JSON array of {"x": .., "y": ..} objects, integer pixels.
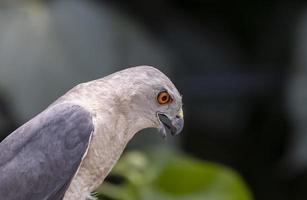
[{"x": 164, "y": 97}]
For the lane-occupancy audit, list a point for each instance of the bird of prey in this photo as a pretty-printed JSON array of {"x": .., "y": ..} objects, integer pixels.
[{"x": 66, "y": 151}]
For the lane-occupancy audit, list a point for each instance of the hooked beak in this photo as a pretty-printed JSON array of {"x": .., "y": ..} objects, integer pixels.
[{"x": 171, "y": 125}]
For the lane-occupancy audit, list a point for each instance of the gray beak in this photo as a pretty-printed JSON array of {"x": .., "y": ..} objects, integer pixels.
[{"x": 169, "y": 125}]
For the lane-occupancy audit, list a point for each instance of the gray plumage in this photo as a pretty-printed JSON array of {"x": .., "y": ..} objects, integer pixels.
[
  {"x": 66, "y": 151},
  {"x": 40, "y": 158}
]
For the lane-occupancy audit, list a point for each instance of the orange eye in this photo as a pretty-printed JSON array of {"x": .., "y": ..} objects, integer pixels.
[{"x": 164, "y": 97}]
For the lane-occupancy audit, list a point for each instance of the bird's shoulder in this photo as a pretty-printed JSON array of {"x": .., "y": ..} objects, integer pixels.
[
  {"x": 57, "y": 119},
  {"x": 45, "y": 151}
]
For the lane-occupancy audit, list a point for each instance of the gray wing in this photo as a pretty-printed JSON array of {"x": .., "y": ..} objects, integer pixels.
[{"x": 39, "y": 159}]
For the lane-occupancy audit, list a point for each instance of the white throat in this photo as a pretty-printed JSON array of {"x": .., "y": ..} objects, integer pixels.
[{"x": 113, "y": 130}]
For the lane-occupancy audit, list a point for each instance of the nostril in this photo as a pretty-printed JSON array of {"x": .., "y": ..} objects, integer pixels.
[{"x": 177, "y": 116}]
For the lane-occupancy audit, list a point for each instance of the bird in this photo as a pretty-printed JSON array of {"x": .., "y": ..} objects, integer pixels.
[{"x": 67, "y": 150}]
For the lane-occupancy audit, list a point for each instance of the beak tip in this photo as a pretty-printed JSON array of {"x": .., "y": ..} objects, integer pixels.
[
  {"x": 173, "y": 126},
  {"x": 178, "y": 124}
]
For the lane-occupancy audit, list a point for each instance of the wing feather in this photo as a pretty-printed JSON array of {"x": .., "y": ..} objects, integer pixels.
[{"x": 39, "y": 159}]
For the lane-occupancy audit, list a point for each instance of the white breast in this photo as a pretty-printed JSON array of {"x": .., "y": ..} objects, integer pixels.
[{"x": 106, "y": 145}]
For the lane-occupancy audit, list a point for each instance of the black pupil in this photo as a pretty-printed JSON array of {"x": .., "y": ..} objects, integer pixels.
[{"x": 164, "y": 98}]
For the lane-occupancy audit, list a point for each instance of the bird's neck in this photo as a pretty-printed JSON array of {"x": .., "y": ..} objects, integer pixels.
[
  {"x": 110, "y": 101},
  {"x": 107, "y": 144},
  {"x": 114, "y": 126}
]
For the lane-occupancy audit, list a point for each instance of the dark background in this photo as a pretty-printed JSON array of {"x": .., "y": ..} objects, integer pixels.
[{"x": 240, "y": 65}]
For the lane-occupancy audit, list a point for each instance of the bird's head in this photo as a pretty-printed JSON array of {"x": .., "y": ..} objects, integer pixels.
[
  {"x": 169, "y": 111},
  {"x": 153, "y": 98}
]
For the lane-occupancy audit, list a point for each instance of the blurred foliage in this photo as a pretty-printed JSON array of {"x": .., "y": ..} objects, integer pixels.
[{"x": 167, "y": 175}]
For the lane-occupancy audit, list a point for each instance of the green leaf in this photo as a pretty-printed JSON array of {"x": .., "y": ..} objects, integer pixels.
[
  {"x": 167, "y": 175},
  {"x": 188, "y": 178}
]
